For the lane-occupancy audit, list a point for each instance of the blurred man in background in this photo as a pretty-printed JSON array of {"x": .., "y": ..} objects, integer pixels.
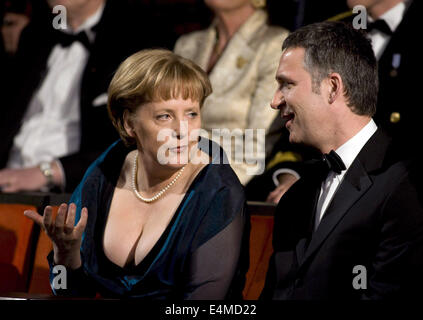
[{"x": 54, "y": 121}]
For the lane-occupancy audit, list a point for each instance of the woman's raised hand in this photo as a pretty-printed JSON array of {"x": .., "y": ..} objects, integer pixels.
[{"x": 66, "y": 237}]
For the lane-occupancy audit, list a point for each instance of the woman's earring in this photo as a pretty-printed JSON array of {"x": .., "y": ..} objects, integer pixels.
[{"x": 258, "y": 4}]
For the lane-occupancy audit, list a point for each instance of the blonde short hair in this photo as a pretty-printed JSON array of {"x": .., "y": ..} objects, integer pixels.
[{"x": 153, "y": 75}]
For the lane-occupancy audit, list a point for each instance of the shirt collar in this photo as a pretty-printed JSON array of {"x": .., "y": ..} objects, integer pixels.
[
  {"x": 393, "y": 16},
  {"x": 350, "y": 149},
  {"x": 249, "y": 27},
  {"x": 89, "y": 23}
]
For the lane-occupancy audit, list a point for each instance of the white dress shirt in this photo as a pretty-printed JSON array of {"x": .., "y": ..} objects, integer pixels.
[
  {"x": 348, "y": 152},
  {"x": 51, "y": 125},
  {"x": 393, "y": 18}
]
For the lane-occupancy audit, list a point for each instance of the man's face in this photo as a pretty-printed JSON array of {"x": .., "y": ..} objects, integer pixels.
[
  {"x": 367, "y": 3},
  {"x": 69, "y": 4},
  {"x": 305, "y": 112}
]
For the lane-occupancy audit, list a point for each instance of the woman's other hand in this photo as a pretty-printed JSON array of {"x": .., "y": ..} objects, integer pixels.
[{"x": 66, "y": 237}]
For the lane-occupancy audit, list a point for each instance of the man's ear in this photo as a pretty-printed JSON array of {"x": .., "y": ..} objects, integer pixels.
[
  {"x": 127, "y": 123},
  {"x": 335, "y": 87}
]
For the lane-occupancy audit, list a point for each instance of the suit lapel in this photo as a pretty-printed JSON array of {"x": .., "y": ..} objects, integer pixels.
[
  {"x": 231, "y": 64},
  {"x": 237, "y": 56},
  {"x": 313, "y": 194},
  {"x": 355, "y": 184},
  {"x": 205, "y": 47}
]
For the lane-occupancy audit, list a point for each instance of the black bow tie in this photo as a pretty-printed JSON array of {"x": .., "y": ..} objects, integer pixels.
[
  {"x": 66, "y": 39},
  {"x": 328, "y": 162},
  {"x": 380, "y": 25}
]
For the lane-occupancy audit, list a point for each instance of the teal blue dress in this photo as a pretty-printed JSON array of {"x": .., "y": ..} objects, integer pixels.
[{"x": 202, "y": 254}]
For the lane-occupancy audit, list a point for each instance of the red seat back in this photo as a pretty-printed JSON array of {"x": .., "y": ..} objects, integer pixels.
[
  {"x": 15, "y": 240},
  {"x": 260, "y": 251}
]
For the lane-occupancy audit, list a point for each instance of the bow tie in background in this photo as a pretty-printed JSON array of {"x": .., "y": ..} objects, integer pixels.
[
  {"x": 328, "y": 162},
  {"x": 66, "y": 39},
  {"x": 380, "y": 25}
]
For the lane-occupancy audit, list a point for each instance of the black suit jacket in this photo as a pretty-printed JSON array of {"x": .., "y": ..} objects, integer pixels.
[
  {"x": 398, "y": 93},
  {"x": 122, "y": 30},
  {"x": 374, "y": 220}
]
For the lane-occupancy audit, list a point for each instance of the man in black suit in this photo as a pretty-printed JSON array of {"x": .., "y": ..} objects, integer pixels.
[
  {"x": 400, "y": 107},
  {"x": 352, "y": 226},
  {"x": 111, "y": 30}
]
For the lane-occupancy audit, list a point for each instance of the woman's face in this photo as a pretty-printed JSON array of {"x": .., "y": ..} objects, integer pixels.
[
  {"x": 166, "y": 131},
  {"x": 225, "y": 5}
]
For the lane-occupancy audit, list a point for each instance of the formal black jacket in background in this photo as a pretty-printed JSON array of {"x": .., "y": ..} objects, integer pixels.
[
  {"x": 123, "y": 29},
  {"x": 374, "y": 220},
  {"x": 398, "y": 91}
]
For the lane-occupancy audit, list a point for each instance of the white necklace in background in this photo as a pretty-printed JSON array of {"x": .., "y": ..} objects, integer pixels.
[{"x": 157, "y": 195}]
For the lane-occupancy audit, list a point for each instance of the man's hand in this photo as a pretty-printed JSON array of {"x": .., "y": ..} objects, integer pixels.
[
  {"x": 286, "y": 180},
  {"x": 28, "y": 179}
]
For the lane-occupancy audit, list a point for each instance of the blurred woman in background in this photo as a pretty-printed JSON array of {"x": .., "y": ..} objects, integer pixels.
[{"x": 240, "y": 52}]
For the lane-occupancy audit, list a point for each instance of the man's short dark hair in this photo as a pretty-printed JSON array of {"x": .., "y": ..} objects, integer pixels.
[{"x": 337, "y": 47}]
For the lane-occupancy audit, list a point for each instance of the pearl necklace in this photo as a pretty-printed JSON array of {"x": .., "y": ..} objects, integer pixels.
[{"x": 157, "y": 195}]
